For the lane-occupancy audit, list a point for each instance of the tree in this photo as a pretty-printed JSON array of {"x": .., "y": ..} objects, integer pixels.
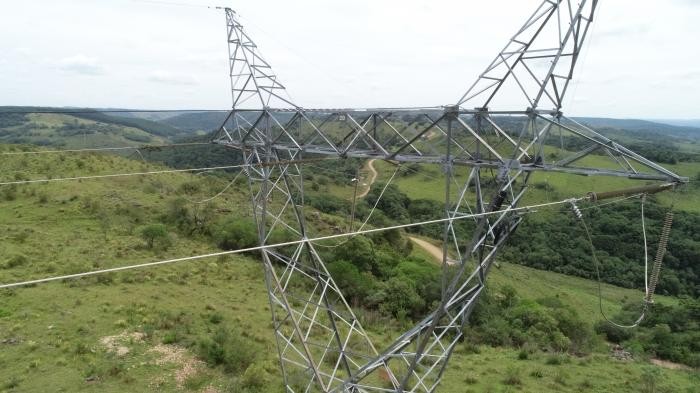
[
  {"x": 394, "y": 202},
  {"x": 155, "y": 234},
  {"x": 358, "y": 251},
  {"x": 354, "y": 285},
  {"x": 235, "y": 233},
  {"x": 401, "y": 298}
]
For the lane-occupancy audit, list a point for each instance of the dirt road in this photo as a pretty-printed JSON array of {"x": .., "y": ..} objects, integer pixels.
[
  {"x": 433, "y": 250},
  {"x": 372, "y": 178}
]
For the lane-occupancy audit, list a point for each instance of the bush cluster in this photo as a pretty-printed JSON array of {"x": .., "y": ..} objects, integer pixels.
[
  {"x": 502, "y": 318},
  {"x": 670, "y": 332}
]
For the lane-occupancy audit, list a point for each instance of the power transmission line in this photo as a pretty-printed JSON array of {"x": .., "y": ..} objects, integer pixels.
[
  {"x": 376, "y": 203},
  {"x": 283, "y": 244},
  {"x": 212, "y": 168},
  {"x": 232, "y": 182},
  {"x": 97, "y": 149},
  {"x": 17, "y": 182}
]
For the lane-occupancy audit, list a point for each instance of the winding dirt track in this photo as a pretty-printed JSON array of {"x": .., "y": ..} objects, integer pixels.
[
  {"x": 433, "y": 250},
  {"x": 430, "y": 248},
  {"x": 372, "y": 179}
]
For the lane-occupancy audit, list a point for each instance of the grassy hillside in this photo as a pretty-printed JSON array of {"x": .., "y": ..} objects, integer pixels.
[
  {"x": 80, "y": 128},
  {"x": 66, "y": 131},
  {"x": 59, "y": 333},
  {"x": 51, "y": 335},
  {"x": 635, "y": 125},
  {"x": 197, "y": 121},
  {"x": 154, "y": 329},
  {"x": 428, "y": 183}
]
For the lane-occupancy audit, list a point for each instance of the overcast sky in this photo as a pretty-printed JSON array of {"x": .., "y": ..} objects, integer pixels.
[{"x": 642, "y": 60}]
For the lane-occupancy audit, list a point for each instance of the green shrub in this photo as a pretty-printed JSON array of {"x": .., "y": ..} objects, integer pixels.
[
  {"x": 470, "y": 379},
  {"x": 216, "y": 318},
  {"x": 400, "y": 298},
  {"x": 560, "y": 378},
  {"x": 189, "y": 187},
  {"x": 12, "y": 382},
  {"x": 235, "y": 233},
  {"x": 512, "y": 377},
  {"x": 16, "y": 261},
  {"x": 155, "y": 235},
  {"x": 553, "y": 360},
  {"x": 613, "y": 333},
  {"x": 254, "y": 377},
  {"x": 196, "y": 381},
  {"x": 360, "y": 252},
  {"x": 651, "y": 376},
  {"x": 355, "y": 286},
  {"x": 504, "y": 319},
  {"x": 228, "y": 349},
  {"x": 9, "y": 193},
  {"x": 170, "y": 337}
]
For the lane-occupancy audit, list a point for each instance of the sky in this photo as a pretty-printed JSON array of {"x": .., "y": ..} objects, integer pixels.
[{"x": 640, "y": 61}]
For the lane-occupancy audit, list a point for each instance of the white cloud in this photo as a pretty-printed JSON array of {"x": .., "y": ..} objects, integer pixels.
[
  {"x": 208, "y": 60},
  {"x": 23, "y": 51},
  {"x": 329, "y": 54},
  {"x": 635, "y": 31},
  {"x": 172, "y": 78},
  {"x": 81, "y": 64}
]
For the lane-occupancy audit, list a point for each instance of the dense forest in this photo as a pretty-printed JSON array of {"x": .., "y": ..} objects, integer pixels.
[{"x": 558, "y": 243}]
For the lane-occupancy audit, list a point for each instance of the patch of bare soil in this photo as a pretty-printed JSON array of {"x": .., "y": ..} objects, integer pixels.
[
  {"x": 187, "y": 364},
  {"x": 116, "y": 343},
  {"x": 670, "y": 365}
]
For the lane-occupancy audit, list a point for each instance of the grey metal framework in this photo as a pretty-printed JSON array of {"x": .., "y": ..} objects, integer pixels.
[{"x": 322, "y": 345}]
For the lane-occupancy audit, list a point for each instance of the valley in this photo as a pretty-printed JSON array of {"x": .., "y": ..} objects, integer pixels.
[{"x": 204, "y": 326}]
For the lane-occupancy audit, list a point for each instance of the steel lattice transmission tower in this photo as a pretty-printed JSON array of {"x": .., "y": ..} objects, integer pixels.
[{"x": 496, "y": 141}]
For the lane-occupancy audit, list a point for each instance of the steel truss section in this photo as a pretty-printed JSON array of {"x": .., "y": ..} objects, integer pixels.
[{"x": 322, "y": 345}]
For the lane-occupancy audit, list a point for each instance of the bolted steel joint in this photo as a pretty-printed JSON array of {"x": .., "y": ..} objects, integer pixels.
[{"x": 451, "y": 111}]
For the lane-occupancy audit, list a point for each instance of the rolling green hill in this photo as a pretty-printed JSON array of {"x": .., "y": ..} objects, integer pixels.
[
  {"x": 163, "y": 328},
  {"x": 204, "y": 326},
  {"x": 80, "y": 128},
  {"x": 644, "y": 126},
  {"x": 70, "y": 132},
  {"x": 197, "y": 121}
]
